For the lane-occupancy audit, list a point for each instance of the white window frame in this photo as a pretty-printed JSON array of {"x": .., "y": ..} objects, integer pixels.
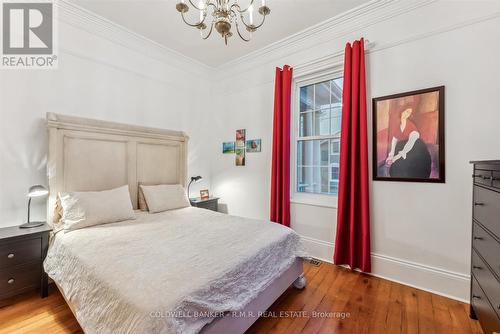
[{"x": 322, "y": 200}]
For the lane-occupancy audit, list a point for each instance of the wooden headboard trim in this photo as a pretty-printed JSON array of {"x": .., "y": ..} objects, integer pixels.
[{"x": 66, "y": 128}]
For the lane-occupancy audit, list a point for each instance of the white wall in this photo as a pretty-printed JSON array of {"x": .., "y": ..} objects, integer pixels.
[
  {"x": 420, "y": 232},
  {"x": 98, "y": 77}
]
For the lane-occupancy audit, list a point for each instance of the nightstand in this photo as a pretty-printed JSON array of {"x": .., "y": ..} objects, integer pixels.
[
  {"x": 22, "y": 252},
  {"x": 211, "y": 203}
]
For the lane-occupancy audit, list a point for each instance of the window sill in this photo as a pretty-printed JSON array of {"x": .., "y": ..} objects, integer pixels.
[{"x": 323, "y": 201}]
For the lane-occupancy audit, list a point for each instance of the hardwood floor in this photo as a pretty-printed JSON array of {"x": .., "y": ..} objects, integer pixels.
[{"x": 367, "y": 304}]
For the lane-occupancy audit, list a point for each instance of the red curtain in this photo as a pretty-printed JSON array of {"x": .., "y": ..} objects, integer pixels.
[
  {"x": 280, "y": 175},
  {"x": 352, "y": 242}
]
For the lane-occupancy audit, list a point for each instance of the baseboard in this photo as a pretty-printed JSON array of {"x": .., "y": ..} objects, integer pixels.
[{"x": 436, "y": 280}]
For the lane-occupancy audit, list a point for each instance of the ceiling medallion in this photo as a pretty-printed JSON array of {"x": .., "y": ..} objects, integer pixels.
[{"x": 224, "y": 14}]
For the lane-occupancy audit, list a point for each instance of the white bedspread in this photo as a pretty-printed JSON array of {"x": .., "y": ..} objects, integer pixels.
[{"x": 153, "y": 274}]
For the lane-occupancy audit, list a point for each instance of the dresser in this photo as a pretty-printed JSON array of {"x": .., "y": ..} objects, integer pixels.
[
  {"x": 22, "y": 252},
  {"x": 211, "y": 203},
  {"x": 485, "y": 254}
]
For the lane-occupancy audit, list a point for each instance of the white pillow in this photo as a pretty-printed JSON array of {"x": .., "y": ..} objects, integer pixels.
[
  {"x": 89, "y": 208},
  {"x": 165, "y": 197}
]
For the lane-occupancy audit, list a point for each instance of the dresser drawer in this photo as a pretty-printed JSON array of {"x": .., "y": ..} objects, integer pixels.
[
  {"x": 483, "y": 177},
  {"x": 488, "y": 282},
  {"x": 487, "y": 209},
  {"x": 17, "y": 279},
  {"x": 484, "y": 311},
  {"x": 487, "y": 246},
  {"x": 18, "y": 252},
  {"x": 496, "y": 179}
]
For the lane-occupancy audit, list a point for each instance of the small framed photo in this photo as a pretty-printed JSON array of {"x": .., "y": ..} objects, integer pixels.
[
  {"x": 240, "y": 138},
  {"x": 240, "y": 156},
  {"x": 408, "y": 136},
  {"x": 228, "y": 147},
  {"x": 204, "y": 194},
  {"x": 254, "y": 145}
]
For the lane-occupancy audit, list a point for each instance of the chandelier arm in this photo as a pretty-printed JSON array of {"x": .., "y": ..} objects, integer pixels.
[
  {"x": 236, "y": 5},
  {"x": 239, "y": 33},
  {"x": 209, "y": 32},
  {"x": 253, "y": 26},
  {"x": 196, "y": 7},
  {"x": 196, "y": 25}
]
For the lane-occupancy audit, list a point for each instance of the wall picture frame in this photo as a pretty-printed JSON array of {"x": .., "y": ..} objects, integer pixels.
[
  {"x": 240, "y": 157},
  {"x": 204, "y": 194},
  {"x": 240, "y": 138},
  {"x": 408, "y": 136},
  {"x": 228, "y": 147},
  {"x": 254, "y": 145}
]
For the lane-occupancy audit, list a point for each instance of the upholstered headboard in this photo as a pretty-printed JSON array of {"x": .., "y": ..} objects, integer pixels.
[{"x": 91, "y": 155}]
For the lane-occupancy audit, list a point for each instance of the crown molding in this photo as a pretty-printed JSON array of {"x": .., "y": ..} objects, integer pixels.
[
  {"x": 357, "y": 18},
  {"x": 95, "y": 24},
  {"x": 345, "y": 23}
]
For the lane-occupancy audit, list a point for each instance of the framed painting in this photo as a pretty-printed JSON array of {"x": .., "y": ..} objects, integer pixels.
[{"x": 408, "y": 136}]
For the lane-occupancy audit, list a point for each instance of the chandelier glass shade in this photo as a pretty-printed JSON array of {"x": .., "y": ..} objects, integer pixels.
[{"x": 222, "y": 15}]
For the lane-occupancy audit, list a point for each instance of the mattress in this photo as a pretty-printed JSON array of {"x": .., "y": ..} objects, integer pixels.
[{"x": 170, "y": 272}]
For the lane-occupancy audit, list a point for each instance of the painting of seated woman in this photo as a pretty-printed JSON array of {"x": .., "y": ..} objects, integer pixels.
[{"x": 408, "y": 141}]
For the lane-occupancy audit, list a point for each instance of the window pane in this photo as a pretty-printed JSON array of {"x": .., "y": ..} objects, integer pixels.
[
  {"x": 322, "y": 95},
  {"x": 336, "y": 122},
  {"x": 306, "y": 98},
  {"x": 308, "y": 153},
  {"x": 306, "y": 124},
  {"x": 317, "y": 166},
  {"x": 322, "y": 122},
  {"x": 325, "y": 151},
  {"x": 306, "y": 180},
  {"x": 336, "y": 90}
]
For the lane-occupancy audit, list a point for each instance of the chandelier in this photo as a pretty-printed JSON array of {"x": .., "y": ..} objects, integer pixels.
[{"x": 224, "y": 13}]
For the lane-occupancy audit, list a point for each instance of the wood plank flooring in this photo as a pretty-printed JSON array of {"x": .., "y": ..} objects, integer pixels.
[{"x": 343, "y": 302}]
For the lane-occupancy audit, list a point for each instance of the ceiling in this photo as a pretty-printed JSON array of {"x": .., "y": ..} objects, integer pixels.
[{"x": 159, "y": 21}]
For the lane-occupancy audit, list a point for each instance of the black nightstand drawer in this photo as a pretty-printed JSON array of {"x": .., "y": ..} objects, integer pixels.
[
  {"x": 20, "y": 278},
  {"x": 18, "y": 252},
  {"x": 211, "y": 203}
]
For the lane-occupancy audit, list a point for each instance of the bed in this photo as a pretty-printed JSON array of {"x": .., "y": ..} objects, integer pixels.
[{"x": 187, "y": 270}]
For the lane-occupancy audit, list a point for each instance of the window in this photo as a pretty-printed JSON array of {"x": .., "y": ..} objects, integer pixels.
[{"x": 318, "y": 137}]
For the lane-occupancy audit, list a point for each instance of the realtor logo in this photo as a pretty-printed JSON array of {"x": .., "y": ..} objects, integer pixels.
[{"x": 28, "y": 35}]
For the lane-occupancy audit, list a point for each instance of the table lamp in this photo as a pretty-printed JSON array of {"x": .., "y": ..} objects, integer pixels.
[
  {"x": 193, "y": 179},
  {"x": 34, "y": 191}
]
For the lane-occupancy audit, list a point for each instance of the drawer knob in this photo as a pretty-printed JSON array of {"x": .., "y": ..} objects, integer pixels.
[
  {"x": 478, "y": 203},
  {"x": 478, "y": 238},
  {"x": 477, "y": 267},
  {"x": 477, "y": 297},
  {"x": 11, "y": 281},
  {"x": 10, "y": 256}
]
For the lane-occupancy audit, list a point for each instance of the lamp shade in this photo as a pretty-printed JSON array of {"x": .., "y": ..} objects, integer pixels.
[{"x": 37, "y": 191}]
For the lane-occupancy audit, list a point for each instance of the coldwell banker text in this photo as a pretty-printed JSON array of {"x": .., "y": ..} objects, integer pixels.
[{"x": 28, "y": 35}]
